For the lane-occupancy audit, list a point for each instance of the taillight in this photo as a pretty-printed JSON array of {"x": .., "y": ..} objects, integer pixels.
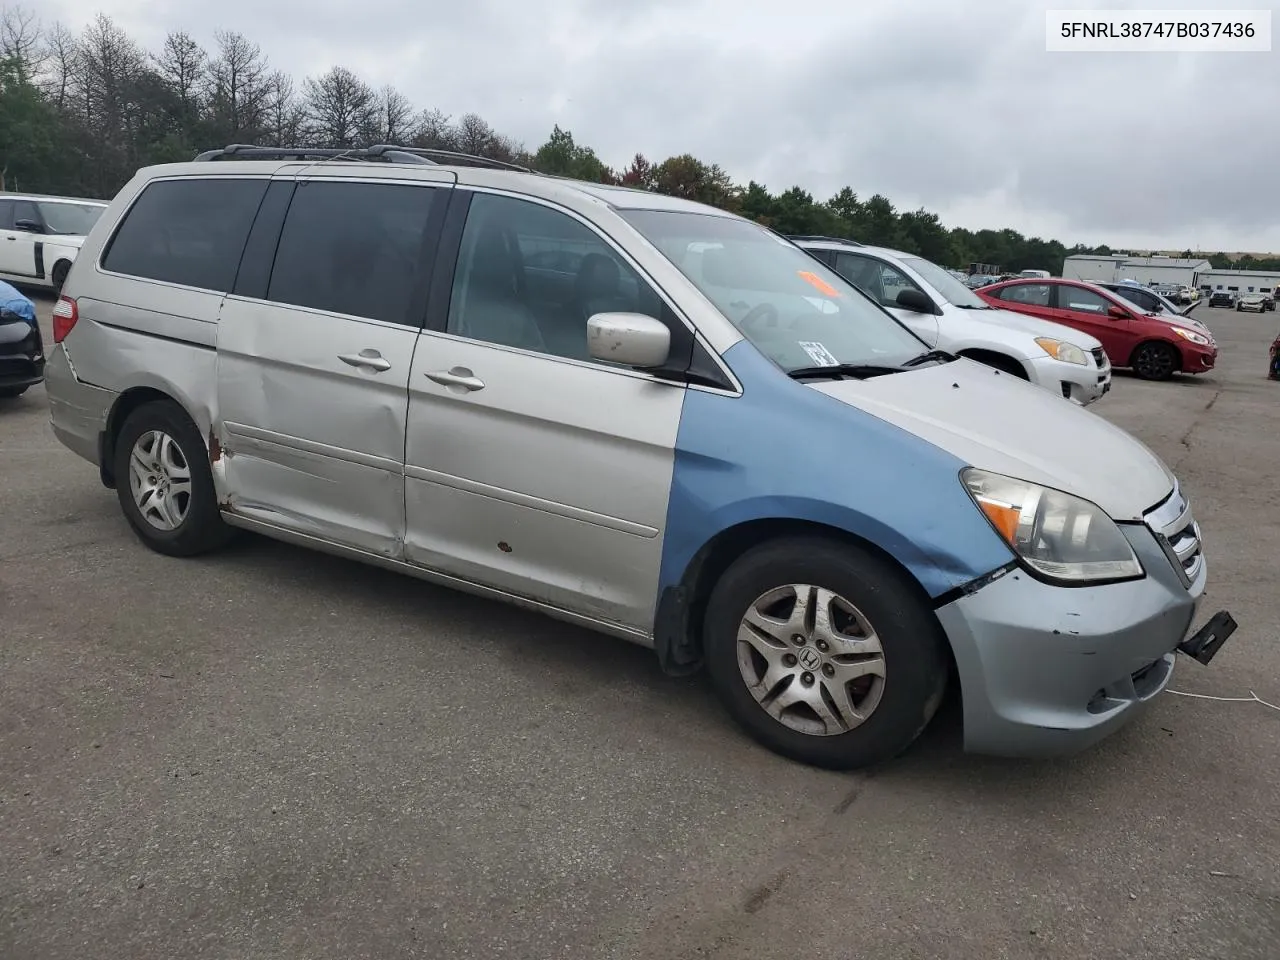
[{"x": 65, "y": 315}]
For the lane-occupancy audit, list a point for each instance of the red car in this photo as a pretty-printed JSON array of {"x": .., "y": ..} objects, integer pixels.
[{"x": 1154, "y": 346}]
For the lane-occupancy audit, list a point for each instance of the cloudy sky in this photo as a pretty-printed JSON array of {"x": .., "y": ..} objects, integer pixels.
[{"x": 953, "y": 105}]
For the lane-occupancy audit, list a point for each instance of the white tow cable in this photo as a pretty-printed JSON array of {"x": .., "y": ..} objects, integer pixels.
[{"x": 1251, "y": 698}]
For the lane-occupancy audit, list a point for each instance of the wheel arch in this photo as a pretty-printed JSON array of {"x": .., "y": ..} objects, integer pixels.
[
  {"x": 997, "y": 359},
  {"x": 681, "y": 606},
  {"x": 128, "y": 401}
]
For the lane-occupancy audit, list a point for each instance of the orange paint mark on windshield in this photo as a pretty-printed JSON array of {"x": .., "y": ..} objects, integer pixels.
[{"x": 818, "y": 283}]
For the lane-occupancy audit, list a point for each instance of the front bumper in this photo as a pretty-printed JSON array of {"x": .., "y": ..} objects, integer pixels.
[
  {"x": 1199, "y": 360},
  {"x": 1048, "y": 670},
  {"x": 21, "y": 356},
  {"x": 1080, "y": 384}
]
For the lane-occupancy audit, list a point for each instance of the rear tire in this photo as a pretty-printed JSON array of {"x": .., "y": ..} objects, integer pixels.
[
  {"x": 164, "y": 483},
  {"x": 1154, "y": 361},
  {"x": 848, "y": 677}
]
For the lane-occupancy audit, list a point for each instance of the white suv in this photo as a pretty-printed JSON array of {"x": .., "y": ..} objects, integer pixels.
[
  {"x": 40, "y": 237},
  {"x": 951, "y": 317}
]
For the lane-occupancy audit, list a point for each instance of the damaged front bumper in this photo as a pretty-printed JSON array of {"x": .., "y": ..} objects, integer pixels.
[{"x": 1047, "y": 670}]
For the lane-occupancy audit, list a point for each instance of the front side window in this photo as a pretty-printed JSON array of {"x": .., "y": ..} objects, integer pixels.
[
  {"x": 1032, "y": 294},
  {"x": 1081, "y": 300},
  {"x": 6, "y": 214},
  {"x": 70, "y": 219},
  {"x": 880, "y": 281},
  {"x": 531, "y": 277},
  {"x": 353, "y": 248},
  {"x": 189, "y": 232},
  {"x": 946, "y": 284},
  {"x": 794, "y": 309}
]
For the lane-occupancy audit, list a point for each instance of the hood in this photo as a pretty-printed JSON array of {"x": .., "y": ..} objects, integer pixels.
[
  {"x": 996, "y": 422},
  {"x": 1037, "y": 327},
  {"x": 66, "y": 240}
]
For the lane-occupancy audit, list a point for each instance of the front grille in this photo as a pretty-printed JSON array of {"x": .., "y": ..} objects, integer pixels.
[{"x": 1179, "y": 534}]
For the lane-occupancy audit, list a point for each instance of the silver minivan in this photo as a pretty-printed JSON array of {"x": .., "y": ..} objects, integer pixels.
[{"x": 531, "y": 388}]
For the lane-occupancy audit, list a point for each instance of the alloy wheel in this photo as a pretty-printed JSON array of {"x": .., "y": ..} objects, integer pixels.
[
  {"x": 160, "y": 480},
  {"x": 811, "y": 659}
]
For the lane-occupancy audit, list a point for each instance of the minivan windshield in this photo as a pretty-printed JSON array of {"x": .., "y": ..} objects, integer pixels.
[
  {"x": 71, "y": 219},
  {"x": 795, "y": 310},
  {"x": 948, "y": 287}
]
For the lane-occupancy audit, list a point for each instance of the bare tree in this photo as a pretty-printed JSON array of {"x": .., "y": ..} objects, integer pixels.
[
  {"x": 433, "y": 130},
  {"x": 340, "y": 106},
  {"x": 106, "y": 84},
  {"x": 181, "y": 64},
  {"x": 63, "y": 63},
  {"x": 238, "y": 87},
  {"x": 20, "y": 39},
  {"x": 286, "y": 118},
  {"x": 390, "y": 121},
  {"x": 475, "y": 136}
]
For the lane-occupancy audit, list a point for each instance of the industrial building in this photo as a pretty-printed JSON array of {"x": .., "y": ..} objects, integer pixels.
[
  {"x": 1145, "y": 270},
  {"x": 1240, "y": 281}
]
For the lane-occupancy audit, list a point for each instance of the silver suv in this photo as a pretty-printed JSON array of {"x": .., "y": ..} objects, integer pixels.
[{"x": 635, "y": 413}]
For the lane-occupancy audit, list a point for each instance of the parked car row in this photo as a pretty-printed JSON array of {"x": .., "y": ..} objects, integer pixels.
[
  {"x": 1154, "y": 345},
  {"x": 1257, "y": 302},
  {"x": 678, "y": 428}
]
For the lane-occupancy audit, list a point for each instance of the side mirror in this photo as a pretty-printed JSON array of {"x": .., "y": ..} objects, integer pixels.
[
  {"x": 915, "y": 301},
  {"x": 28, "y": 226},
  {"x": 1117, "y": 313},
  {"x": 631, "y": 339}
]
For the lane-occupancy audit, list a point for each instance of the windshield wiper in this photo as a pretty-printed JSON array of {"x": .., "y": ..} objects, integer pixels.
[
  {"x": 936, "y": 356},
  {"x": 858, "y": 371}
]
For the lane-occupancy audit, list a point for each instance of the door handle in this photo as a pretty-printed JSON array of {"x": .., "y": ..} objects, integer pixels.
[
  {"x": 456, "y": 377},
  {"x": 366, "y": 358}
]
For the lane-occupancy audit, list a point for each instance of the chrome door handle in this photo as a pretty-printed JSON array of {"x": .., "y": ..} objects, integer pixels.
[
  {"x": 456, "y": 377},
  {"x": 366, "y": 358}
]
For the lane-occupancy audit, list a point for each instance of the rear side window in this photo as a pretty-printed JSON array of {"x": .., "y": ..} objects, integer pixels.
[
  {"x": 1032, "y": 294},
  {"x": 353, "y": 248},
  {"x": 189, "y": 232}
]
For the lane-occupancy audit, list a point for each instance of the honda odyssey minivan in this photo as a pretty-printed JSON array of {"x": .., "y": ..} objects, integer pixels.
[{"x": 634, "y": 413}]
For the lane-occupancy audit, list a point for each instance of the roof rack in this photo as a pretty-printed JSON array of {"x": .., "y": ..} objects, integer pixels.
[
  {"x": 796, "y": 238},
  {"x": 382, "y": 152}
]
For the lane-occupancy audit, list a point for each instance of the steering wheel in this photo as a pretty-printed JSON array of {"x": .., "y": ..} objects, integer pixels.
[{"x": 761, "y": 315}]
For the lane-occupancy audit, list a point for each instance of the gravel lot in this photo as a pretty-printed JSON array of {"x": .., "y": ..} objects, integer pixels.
[{"x": 271, "y": 753}]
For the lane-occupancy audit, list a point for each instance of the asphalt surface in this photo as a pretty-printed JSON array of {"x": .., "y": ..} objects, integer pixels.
[{"x": 270, "y": 753}]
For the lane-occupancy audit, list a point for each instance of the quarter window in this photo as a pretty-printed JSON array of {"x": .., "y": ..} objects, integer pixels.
[
  {"x": 190, "y": 232},
  {"x": 353, "y": 248},
  {"x": 530, "y": 277}
]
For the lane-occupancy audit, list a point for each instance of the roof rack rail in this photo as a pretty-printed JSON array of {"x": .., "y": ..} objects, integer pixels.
[
  {"x": 381, "y": 152},
  {"x": 797, "y": 237},
  {"x": 432, "y": 155},
  {"x": 249, "y": 151}
]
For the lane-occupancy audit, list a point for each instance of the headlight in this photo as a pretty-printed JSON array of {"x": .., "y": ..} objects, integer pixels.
[
  {"x": 1062, "y": 537},
  {"x": 1192, "y": 336},
  {"x": 1061, "y": 350}
]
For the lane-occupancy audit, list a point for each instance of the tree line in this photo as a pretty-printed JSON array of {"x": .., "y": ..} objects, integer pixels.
[{"x": 81, "y": 111}]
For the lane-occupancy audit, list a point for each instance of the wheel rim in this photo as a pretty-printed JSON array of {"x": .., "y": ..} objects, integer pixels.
[
  {"x": 160, "y": 480},
  {"x": 1154, "y": 362},
  {"x": 811, "y": 659}
]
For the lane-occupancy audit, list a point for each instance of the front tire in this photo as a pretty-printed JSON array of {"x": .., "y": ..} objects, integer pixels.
[
  {"x": 59, "y": 276},
  {"x": 164, "y": 484},
  {"x": 1154, "y": 361},
  {"x": 824, "y": 653}
]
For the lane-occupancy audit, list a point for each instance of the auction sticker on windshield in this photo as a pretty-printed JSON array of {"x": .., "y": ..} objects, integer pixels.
[
  {"x": 819, "y": 354},
  {"x": 818, "y": 283}
]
